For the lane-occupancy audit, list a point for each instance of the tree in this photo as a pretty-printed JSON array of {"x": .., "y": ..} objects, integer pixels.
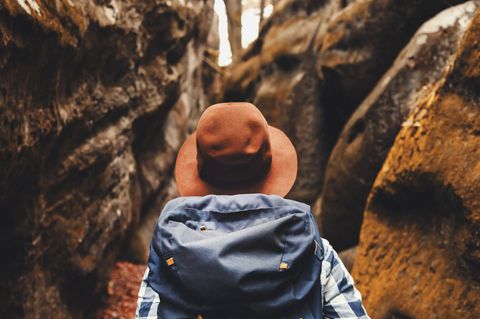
[
  {"x": 262, "y": 11},
  {"x": 234, "y": 18}
]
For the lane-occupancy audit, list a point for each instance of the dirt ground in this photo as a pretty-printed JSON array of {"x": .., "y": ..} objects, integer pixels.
[{"x": 122, "y": 292}]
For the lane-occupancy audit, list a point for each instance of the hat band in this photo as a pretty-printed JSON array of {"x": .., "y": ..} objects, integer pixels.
[{"x": 221, "y": 174}]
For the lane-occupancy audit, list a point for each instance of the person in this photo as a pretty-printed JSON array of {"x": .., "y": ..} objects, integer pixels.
[{"x": 232, "y": 246}]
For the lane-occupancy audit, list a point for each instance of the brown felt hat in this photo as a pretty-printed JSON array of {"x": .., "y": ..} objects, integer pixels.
[{"x": 235, "y": 151}]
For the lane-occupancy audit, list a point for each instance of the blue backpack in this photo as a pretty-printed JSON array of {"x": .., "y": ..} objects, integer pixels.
[{"x": 240, "y": 256}]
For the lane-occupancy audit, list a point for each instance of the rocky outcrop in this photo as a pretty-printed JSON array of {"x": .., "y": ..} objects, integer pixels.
[
  {"x": 312, "y": 65},
  {"x": 159, "y": 138},
  {"x": 276, "y": 74},
  {"x": 87, "y": 138},
  {"x": 419, "y": 250},
  {"x": 369, "y": 133},
  {"x": 360, "y": 44},
  {"x": 348, "y": 257}
]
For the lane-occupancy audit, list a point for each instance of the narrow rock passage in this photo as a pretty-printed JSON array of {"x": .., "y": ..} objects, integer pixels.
[{"x": 381, "y": 99}]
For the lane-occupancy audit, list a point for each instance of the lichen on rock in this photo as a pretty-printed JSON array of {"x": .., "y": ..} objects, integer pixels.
[
  {"x": 419, "y": 250},
  {"x": 369, "y": 133}
]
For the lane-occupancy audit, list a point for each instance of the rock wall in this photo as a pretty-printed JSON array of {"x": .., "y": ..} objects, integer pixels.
[
  {"x": 313, "y": 64},
  {"x": 276, "y": 74},
  {"x": 369, "y": 133},
  {"x": 95, "y": 97},
  {"x": 159, "y": 138},
  {"x": 419, "y": 252}
]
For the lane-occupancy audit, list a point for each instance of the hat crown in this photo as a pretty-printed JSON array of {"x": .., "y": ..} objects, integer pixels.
[{"x": 233, "y": 144}]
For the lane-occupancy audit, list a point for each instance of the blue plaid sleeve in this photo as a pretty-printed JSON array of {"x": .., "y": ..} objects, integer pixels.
[
  {"x": 148, "y": 300},
  {"x": 340, "y": 297}
]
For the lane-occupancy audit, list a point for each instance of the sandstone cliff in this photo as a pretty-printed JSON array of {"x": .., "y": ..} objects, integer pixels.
[
  {"x": 368, "y": 135},
  {"x": 419, "y": 252},
  {"x": 95, "y": 97},
  {"x": 313, "y": 64}
]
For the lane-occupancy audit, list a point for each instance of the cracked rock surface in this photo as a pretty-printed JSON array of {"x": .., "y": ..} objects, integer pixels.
[{"x": 85, "y": 88}]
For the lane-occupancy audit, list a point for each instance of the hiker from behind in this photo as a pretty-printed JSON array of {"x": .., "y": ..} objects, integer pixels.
[{"x": 232, "y": 246}]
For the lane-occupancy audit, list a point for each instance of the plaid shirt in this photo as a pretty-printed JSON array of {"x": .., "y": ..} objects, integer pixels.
[{"x": 340, "y": 297}]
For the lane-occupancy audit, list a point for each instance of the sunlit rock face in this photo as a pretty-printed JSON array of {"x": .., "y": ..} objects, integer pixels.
[
  {"x": 419, "y": 252},
  {"x": 95, "y": 97},
  {"x": 313, "y": 64},
  {"x": 369, "y": 133}
]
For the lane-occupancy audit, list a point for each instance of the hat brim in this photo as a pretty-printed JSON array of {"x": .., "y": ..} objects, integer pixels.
[{"x": 278, "y": 181}]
